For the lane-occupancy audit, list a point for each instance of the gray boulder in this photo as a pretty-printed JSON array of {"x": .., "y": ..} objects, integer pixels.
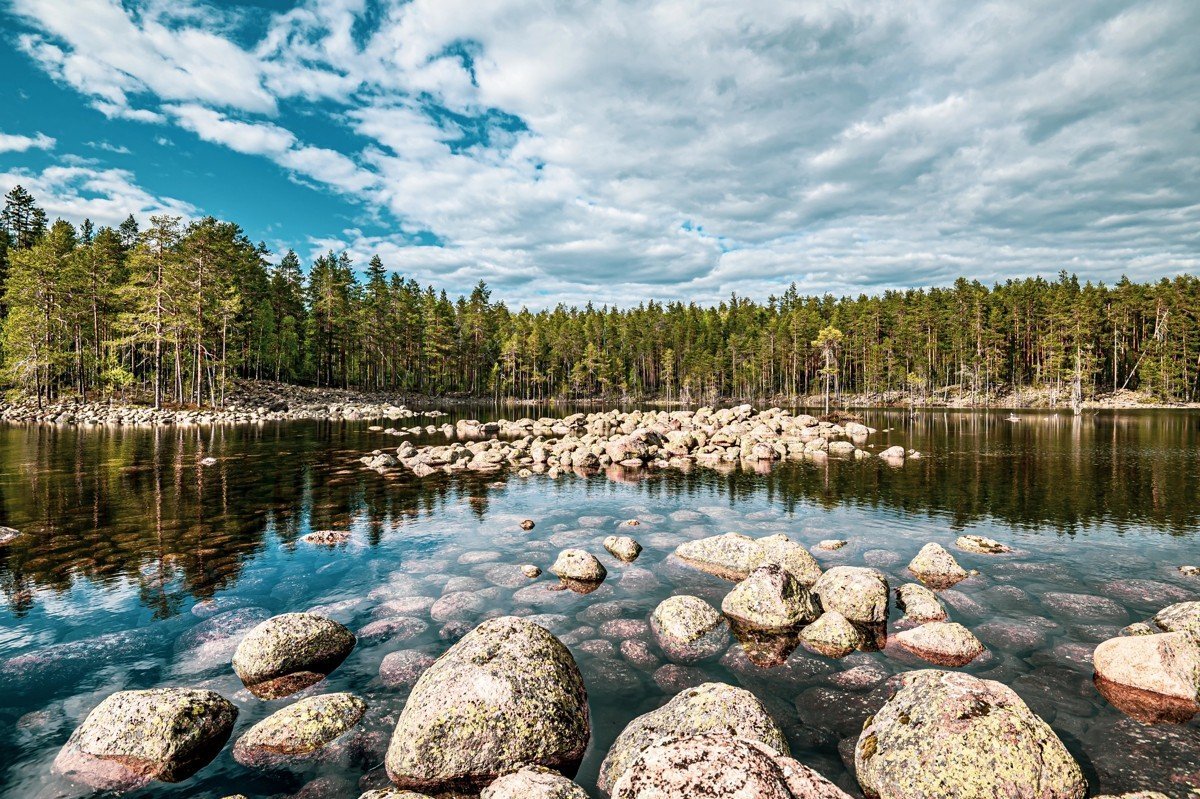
[
  {"x": 944, "y": 643},
  {"x": 1151, "y": 677},
  {"x": 709, "y": 708},
  {"x": 770, "y": 599},
  {"x": 579, "y": 565},
  {"x": 623, "y": 547},
  {"x": 832, "y": 635},
  {"x": 290, "y": 652},
  {"x": 134, "y": 738},
  {"x": 859, "y": 594},
  {"x": 936, "y": 567},
  {"x": 688, "y": 629},
  {"x": 732, "y": 555},
  {"x": 533, "y": 782},
  {"x": 299, "y": 732},
  {"x": 919, "y": 603},
  {"x": 950, "y": 734},
  {"x": 508, "y": 694},
  {"x": 717, "y": 766}
]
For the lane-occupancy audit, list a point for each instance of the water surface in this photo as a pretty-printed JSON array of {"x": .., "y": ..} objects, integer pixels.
[{"x": 127, "y": 535}]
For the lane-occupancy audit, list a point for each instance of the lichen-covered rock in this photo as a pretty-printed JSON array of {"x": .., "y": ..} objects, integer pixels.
[
  {"x": 919, "y": 603},
  {"x": 576, "y": 564},
  {"x": 936, "y": 567},
  {"x": 533, "y": 782},
  {"x": 689, "y": 629},
  {"x": 393, "y": 793},
  {"x": 859, "y": 594},
  {"x": 732, "y": 555},
  {"x": 949, "y": 734},
  {"x": 290, "y": 652},
  {"x": 508, "y": 694},
  {"x": 832, "y": 544},
  {"x": 832, "y": 635},
  {"x": 531, "y": 571},
  {"x": 708, "y": 708},
  {"x": 1183, "y": 617},
  {"x": 1151, "y": 677},
  {"x": 623, "y": 547},
  {"x": 8, "y": 535},
  {"x": 1134, "y": 795},
  {"x": 945, "y": 643},
  {"x": 716, "y": 766},
  {"x": 133, "y": 738},
  {"x": 770, "y": 599},
  {"x": 299, "y": 732},
  {"x": 981, "y": 545},
  {"x": 795, "y": 559}
]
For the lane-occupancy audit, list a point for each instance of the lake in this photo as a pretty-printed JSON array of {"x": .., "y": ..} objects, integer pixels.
[{"x": 132, "y": 549}]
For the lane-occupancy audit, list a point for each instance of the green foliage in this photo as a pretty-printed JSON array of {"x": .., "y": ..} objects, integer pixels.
[{"x": 174, "y": 311}]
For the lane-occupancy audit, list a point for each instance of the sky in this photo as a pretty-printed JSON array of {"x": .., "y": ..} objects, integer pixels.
[{"x": 609, "y": 151}]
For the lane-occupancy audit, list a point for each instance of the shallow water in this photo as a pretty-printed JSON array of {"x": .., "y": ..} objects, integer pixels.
[{"x": 127, "y": 534}]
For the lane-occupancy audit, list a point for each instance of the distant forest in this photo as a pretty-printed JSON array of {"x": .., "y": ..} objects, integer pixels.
[{"x": 174, "y": 311}]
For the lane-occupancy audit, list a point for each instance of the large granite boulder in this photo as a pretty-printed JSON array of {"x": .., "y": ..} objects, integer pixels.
[
  {"x": 770, "y": 599},
  {"x": 688, "y": 629},
  {"x": 508, "y": 694},
  {"x": 1179, "y": 618},
  {"x": 832, "y": 635},
  {"x": 709, "y": 708},
  {"x": 134, "y": 738},
  {"x": 858, "y": 593},
  {"x": 623, "y": 547},
  {"x": 719, "y": 766},
  {"x": 290, "y": 652},
  {"x": 795, "y": 559},
  {"x": 299, "y": 732},
  {"x": 949, "y": 734}
]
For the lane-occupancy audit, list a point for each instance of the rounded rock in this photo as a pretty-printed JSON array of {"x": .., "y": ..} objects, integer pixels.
[
  {"x": 508, "y": 694},
  {"x": 299, "y": 732},
  {"x": 708, "y": 708},
  {"x": 950, "y": 734},
  {"x": 936, "y": 567},
  {"x": 533, "y": 782},
  {"x": 623, "y": 547},
  {"x": 859, "y": 594},
  {"x": 688, "y": 629},
  {"x": 290, "y": 652},
  {"x": 579, "y": 565},
  {"x": 770, "y": 599},
  {"x": 133, "y": 738}
]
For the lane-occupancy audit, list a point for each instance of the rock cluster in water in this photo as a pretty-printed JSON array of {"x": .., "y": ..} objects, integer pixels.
[{"x": 636, "y": 439}]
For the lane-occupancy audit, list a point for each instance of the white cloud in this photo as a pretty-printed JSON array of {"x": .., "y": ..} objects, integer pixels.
[
  {"x": 106, "y": 196},
  {"x": 689, "y": 153},
  {"x": 13, "y": 143}
]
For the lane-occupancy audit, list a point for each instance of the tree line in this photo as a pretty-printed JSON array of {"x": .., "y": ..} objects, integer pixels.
[{"x": 174, "y": 311}]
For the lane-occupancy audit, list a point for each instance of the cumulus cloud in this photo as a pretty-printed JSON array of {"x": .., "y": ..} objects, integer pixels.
[
  {"x": 14, "y": 143},
  {"x": 608, "y": 151},
  {"x": 106, "y": 196}
]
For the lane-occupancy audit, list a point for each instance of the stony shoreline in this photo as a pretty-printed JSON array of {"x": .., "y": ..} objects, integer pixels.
[{"x": 254, "y": 402}]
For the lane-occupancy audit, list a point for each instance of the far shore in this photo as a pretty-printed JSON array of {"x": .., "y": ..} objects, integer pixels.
[{"x": 258, "y": 401}]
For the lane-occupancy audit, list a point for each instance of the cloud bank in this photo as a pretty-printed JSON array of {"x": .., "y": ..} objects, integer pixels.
[{"x": 609, "y": 151}]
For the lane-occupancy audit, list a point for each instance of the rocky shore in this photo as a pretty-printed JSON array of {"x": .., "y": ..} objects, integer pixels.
[
  {"x": 635, "y": 439},
  {"x": 503, "y": 712},
  {"x": 247, "y": 402}
]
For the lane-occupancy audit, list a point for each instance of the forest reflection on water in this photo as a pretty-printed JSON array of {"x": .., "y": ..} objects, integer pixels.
[
  {"x": 107, "y": 504},
  {"x": 125, "y": 534}
]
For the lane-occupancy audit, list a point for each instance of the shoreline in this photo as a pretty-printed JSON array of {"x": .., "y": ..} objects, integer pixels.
[{"x": 253, "y": 402}]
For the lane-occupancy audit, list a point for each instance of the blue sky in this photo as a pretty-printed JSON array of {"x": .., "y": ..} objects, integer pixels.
[{"x": 608, "y": 151}]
